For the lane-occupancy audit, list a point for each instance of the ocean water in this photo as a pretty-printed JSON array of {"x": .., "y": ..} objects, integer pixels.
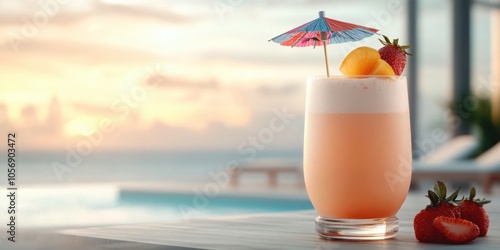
[{"x": 54, "y": 168}]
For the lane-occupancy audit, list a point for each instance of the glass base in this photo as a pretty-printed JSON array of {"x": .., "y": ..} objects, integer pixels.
[{"x": 357, "y": 229}]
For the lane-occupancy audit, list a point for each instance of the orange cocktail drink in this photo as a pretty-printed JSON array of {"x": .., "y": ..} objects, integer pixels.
[{"x": 357, "y": 153}]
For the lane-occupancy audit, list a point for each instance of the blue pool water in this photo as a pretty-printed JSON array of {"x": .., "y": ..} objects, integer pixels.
[
  {"x": 76, "y": 200},
  {"x": 218, "y": 205},
  {"x": 104, "y": 204}
]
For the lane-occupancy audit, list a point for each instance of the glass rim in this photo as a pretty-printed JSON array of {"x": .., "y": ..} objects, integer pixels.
[{"x": 356, "y": 77}]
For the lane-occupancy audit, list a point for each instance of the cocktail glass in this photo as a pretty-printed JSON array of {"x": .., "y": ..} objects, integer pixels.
[{"x": 357, "y": 154}]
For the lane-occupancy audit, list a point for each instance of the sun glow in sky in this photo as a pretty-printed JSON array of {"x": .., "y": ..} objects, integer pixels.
[{"x": 166, "y": 74}]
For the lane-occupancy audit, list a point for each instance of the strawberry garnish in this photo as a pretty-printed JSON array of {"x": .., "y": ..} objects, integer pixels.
[
  {"x": 440, "y": 206},
  {"x": 472, "y": 210},
  {"x": 394, "y": 54},
  {"x": 456, "y": 230}
]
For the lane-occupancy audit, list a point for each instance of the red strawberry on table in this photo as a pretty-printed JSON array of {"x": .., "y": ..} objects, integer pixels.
[
  {"x": 440, "y": 206},
  {"x": 456, "y": 230},
  {"x": 394, "y": 54},
  {"x": 472, "y": 210}
]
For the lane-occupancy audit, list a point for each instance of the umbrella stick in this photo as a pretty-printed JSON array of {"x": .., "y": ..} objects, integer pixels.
[{"x": 326, "y": 59}]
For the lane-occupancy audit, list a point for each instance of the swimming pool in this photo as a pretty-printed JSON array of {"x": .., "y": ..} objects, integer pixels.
[{"x": 94, "y": 205}]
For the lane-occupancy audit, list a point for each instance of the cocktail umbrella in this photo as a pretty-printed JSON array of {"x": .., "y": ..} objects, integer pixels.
[{"x": 323, "y": 31}]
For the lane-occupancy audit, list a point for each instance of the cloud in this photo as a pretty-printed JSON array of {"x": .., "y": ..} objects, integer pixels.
[
  {"x": 164, "y": 81},
  {"x": 272, "y": 56},
  {"x": 149, "y": 12},
  {"x": 81, "y": 52},
  {"x": 288, "y": 89},
  {"x": 63, "y": 14},
  {"x": 220, "y": 108},
  {"x": 92, "y": 24},
  {"x": 92, "y": 109},
  {"x": 4, "y": 119},
  {"x": 29, "y": 114},
  {"x": 216, "y": 136}
]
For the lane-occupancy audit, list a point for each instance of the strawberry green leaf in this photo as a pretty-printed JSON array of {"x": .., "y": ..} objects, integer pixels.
[
  {"x": 440, "y": 189},
  {"x": 482, "y": 202},
  {"x": 453, "y": 196},
  {"x": 433, "y": 197},
  {"x": 387, "y": 40},
  {"x": 395, "y": 42},
  {"x": 472, "y": 193}
]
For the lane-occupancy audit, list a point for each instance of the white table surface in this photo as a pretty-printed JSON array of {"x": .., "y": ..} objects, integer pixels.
[{"x": 290, "y": 230}]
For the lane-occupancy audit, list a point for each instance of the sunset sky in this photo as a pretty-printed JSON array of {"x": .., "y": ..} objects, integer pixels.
[{"x": 165, "y": 74}]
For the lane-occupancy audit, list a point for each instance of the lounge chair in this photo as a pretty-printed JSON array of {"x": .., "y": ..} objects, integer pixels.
[
  {"x": 484, "y": 169},
  {"x": 458, "y": 148},
  {"x": 271, "y": 167}
]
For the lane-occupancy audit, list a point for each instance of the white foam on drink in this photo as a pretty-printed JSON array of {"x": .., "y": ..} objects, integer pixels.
[{"x": 356, "y": 95}]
